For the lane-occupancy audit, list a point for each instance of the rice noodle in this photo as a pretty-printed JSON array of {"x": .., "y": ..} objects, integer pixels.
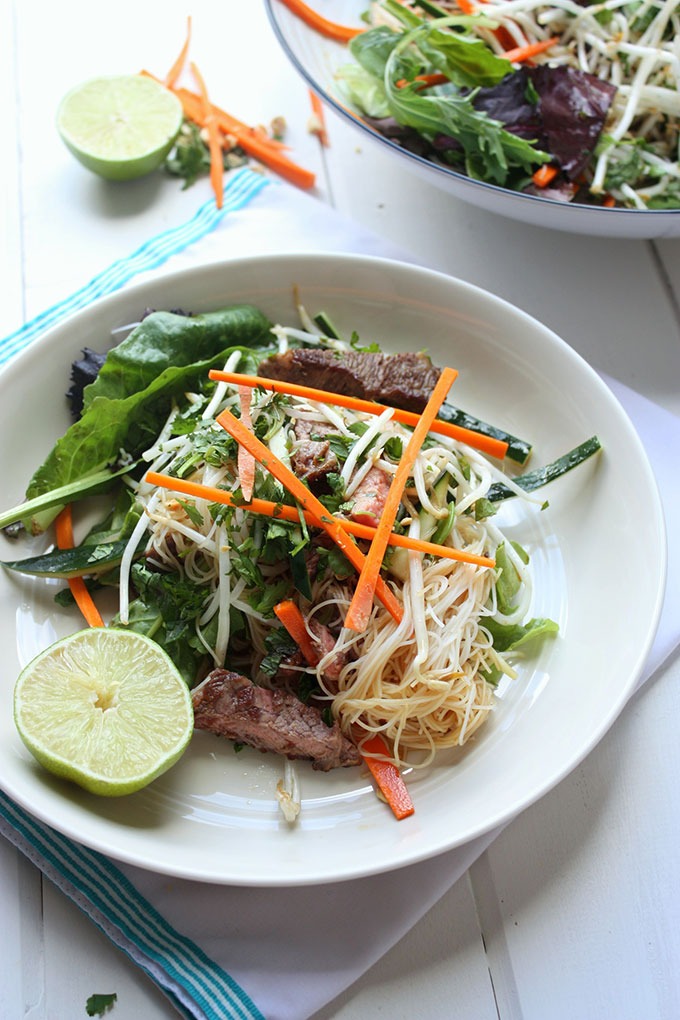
[{"x": 422, "y": 683}]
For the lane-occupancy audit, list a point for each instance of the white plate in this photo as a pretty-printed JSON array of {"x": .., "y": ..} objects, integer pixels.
[
  {"x": 598, "y": 558},
  {"x": 317, "y": 59}
]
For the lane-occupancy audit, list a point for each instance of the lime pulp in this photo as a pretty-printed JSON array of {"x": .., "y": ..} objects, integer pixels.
[
  {"x": 120, "y": 127},
  {"x": 105, "y": 708}
]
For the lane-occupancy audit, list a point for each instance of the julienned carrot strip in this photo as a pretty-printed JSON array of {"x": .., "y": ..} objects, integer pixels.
[
  {"x": 246, "y": 461},
  {"x": 250, "y": 141},
  {"x": 341, "y": 33},
  {"x": 466, "y": 6},
  {"x": 227, "y": 122},
  {"x": 521, "y": 53},
  {"x": 293, "y": 621},
  {"x": 214, "y": 140},
  {"x": 487, "y": 444},
  {"x": 290, "y": 513},
  {"x": 387, "y": 776},
  {"x": 544, "y": 175},
  {"x": 362, "y": 601},
  {"x": 64, "y": 531},
  {"x": 308, "y": 501},
  {"x": 177, "y": 68},
  {"x": 426, "y": 79},
  {"x": 319, "y": 114}
]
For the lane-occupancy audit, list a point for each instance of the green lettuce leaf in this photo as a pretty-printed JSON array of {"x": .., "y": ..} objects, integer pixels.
[
  {"x": 489, "y": 151},
  {"x": 125, "y": 407},
  {"x": 509, "y": 637}
]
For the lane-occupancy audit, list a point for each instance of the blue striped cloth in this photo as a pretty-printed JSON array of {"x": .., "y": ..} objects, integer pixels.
[
  {"x": 197, "y": 987},
  {"x": 242, "y": 185}
]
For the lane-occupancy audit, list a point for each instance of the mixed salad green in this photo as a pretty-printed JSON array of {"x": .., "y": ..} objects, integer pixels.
[{"x": 570, "y": 100}]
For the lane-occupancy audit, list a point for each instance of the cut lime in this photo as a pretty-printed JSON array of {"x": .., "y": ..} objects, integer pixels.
[
  {"x": 120, "y": 127},
  {"x": 104, "y": 708}
]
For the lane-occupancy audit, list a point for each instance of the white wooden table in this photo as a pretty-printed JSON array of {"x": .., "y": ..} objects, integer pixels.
[{"x": 575, "y": 910}]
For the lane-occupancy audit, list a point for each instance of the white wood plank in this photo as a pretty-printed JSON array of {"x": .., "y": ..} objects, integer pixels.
[
  {"x": 438, "y": 970},
  {"x": 668, "y": 255},
  {"x": 579, "y": 896},
  {"x": 96, "y": 221},
  {"x": 86, "y": 963},
  {"x": 11, "y": 260},
  {"x": 21, "y": 969}
]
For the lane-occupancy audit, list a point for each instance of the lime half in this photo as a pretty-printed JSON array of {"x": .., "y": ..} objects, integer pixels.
[
  {"x": 120, "y": 127},
  {"x": 104, "y": 708}
]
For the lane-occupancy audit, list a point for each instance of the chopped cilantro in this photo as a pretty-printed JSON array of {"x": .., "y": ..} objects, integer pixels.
[{"x": 99, "y": 1004}]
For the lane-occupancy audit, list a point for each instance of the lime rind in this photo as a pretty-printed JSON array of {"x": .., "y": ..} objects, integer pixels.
[
  {"x": 122, "y": 126},
  {"x": 104, "y": 708}
]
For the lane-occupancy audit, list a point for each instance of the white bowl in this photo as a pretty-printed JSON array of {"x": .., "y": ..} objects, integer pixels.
[
  {"x": 317, "y": 59},
  {"x": 214, "y": 815}
]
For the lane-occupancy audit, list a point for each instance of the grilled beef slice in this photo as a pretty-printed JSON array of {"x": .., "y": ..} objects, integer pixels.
[
  {"x": 312, "y": 458},
  {"x": 400, "y": 380},
  {"x": 232, "y": 706}
]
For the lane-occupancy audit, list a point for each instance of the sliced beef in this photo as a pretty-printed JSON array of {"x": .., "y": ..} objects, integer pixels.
[
  {"x": 400, "y": 380},
  {"x": 232, "y": 706},
  {"x": 326, "y": 643},
  {"x": 369, "y": 497},
  {"x": 312, "y": 458},
  {"x": 291, "y": 667}
]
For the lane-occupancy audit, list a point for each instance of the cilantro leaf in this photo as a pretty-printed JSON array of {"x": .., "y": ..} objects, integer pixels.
[{"x": 98, "y": 1004}]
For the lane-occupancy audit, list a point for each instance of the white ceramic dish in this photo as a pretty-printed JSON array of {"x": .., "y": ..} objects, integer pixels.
[
  {"x": 214, "y": 817},
  {"x": 317, "y": 58}
]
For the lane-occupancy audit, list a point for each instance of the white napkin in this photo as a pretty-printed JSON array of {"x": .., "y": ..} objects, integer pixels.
[{"x": 267, "y": 940}]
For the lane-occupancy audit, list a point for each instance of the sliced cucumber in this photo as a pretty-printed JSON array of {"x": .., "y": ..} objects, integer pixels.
[
  {"x": 83, "y": 559},
  {"x": 541, "y": 476}
]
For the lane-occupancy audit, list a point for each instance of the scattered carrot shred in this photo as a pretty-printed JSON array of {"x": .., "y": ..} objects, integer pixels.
[
  {"x": 177, "y": 68},
  {"x": 214, "y": 139},
  {"x": 360, "y": 607},
  {"x": 329, "y": 29},
  {"x": 266, "y": 508},
  {"x": 387, "y": 776},
  {"x": 544, "y": 175},
  {"x": 253, "y": 140},
  {"x": 308, "y": 501},
  {"x": 267, "y": 150},
  {"x": 426, "y": 79},
  {"x": 521, "y": 53},
  {"x": 319, "y": 117},
  {"x": 64, "y": 532}
]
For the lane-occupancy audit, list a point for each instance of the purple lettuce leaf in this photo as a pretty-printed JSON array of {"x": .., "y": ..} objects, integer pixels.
[
  {"x": 574, "y": 107},
  {"x": 561, "y": 108}
]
